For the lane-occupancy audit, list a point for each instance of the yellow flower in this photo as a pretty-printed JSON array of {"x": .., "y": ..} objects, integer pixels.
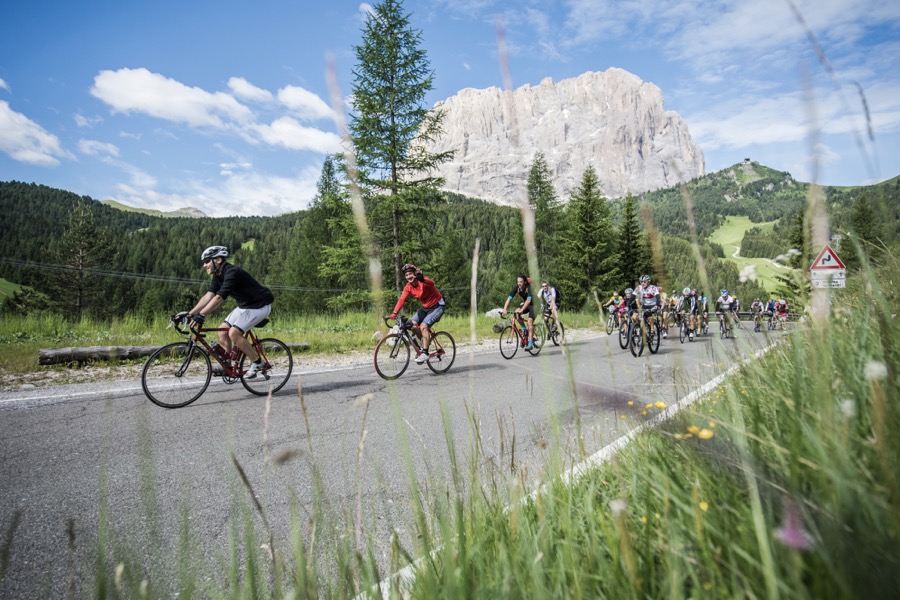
[
  {"x": 643, "y": 413},
  {"x": 705, "y": 434},
  {"x": 704, "y": 506},
  {"x": 712, "y": 423},
  {"x": 660, "y": 404},
  {"x": 643, "y": 519},
  {"x": 631, "y": 403},
  {"x": 649, "y": 406},
  {"x": 694, "y": 429}
]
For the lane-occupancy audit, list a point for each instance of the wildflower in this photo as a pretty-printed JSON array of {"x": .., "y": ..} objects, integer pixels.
[
  {"x": 622, "y": 417},
  {"x": 693, "y": 429},
  {"x": 649, "y": 406},
  {"x": 704, "y": 506},
  {"x": 643, "y": 519},
  {"x": 791, "y": 532},
  {"x": 848, "y": 408},
  {"x": 712, "y": 423},
  {"x": 643, "y": 413},
  {"x": 660, "y": 404},
  {"x": 875, "y": 370},
  {"x": 617, "y": 506},
  {"x": 705, "y": 434},
  {"x": 631, "y": 403}
]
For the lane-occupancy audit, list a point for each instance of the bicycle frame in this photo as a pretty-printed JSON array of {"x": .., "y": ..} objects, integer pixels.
[{"x": 229, "y": 371}]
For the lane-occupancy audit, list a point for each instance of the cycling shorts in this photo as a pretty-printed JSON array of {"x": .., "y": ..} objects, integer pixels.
[
  {"x": 246, "y": 318},
  {"x": 428, "y": 316}
]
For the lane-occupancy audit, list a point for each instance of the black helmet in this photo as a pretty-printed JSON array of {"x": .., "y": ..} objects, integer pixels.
[{"x": 214, "y": 252}]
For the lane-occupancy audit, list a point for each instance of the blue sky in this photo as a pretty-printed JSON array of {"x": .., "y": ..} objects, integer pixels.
[{"x": 225, "y": 105}]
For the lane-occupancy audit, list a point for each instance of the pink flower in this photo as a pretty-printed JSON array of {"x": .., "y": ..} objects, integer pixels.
[{"x": 791, "y": 532}]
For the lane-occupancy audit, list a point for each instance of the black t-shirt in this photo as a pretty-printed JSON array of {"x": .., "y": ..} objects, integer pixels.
[
  {"x": 236, "y": 282},
  {"x": 523, "y": 294}
]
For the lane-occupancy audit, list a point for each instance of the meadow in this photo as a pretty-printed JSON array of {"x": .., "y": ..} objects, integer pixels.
[{"x": 729, "y": 236}]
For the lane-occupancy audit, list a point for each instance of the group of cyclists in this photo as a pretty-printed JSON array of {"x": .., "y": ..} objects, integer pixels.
[
  {"x": 691, "y": 305},
  {"x": 646, "y": 301}
]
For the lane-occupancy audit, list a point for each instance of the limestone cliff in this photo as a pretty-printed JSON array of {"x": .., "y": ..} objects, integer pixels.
[{"x": 611, "y": 120}]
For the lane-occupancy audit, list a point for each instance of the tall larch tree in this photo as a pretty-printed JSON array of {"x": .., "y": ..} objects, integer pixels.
[
  {"x": 547, "y": 214},
  {"x": 588, "y": 258},
  {"x": 391, "y": 79},
  {"x": 633, "y": 247}
]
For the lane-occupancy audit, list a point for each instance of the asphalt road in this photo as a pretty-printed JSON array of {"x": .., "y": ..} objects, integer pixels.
[{"x": 100, "y": 460}]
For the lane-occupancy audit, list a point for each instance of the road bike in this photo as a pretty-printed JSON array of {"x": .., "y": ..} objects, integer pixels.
[
  {"x": 556, "y": 332},
  {"x": 514, "y": 333},
  {"x": 612, "y": 322},
  {"x": 393, "y": 350},
  {"x": 179, "y": 373},
  {"x": 684, "y": 328},
  {"x": 653, "y": 334},
  {"x": 725, "y": 330}
]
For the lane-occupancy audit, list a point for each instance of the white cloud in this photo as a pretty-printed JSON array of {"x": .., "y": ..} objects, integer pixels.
[
  {"x": 246, "y": 90},
  {"x": 304, "y": 103},
  {"x": 82, "y": 121},
  {"x": 288, "y": 133},
  {"x": 243, "y": 194},
  {"x": 4, "y": 86},
  {"x": 26, "y": 141},
  {"x": 139, "y": 90},
  {"x": 96, "y": 148}
]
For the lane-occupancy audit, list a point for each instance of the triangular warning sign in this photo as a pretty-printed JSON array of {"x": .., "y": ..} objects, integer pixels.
[{"x": 827, "y": 259}]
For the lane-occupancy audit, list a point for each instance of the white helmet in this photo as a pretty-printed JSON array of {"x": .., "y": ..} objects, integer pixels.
[
  {"x": 214, "y": 252},
  {"x": 686, "y": 291}
]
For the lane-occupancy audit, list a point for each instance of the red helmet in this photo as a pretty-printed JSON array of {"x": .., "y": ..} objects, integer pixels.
[{"x": 408, "y": 267}]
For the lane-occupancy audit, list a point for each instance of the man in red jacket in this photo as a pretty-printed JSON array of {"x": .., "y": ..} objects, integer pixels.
[{"x": 421, "y": 287}]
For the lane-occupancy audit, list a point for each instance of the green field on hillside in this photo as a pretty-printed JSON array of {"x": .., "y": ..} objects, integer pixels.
[
  {"x": 729, "y": 236},
  {"x": 7, "y": 288}
]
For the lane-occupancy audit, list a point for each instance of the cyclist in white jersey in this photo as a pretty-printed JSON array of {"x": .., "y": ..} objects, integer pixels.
[{"x": 648, "y": 298}]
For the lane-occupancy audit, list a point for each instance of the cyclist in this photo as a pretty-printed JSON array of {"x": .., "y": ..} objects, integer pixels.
[
  {"x": 703, "y": 310},
  {"x": 664, "y": 308},
  {"x": 523, "y": 291},
  {"x": 254, "y": 303},
  {"x": 724, "y": 306},
  {"x": 756, "y": 310},
  {"x": 649, "y": 298},
  {"x": 629, "y": 307},
  {"x": 688, "y": 309},
  {"x": 422, "y": 288},
  {"x": 781, "y": 310},
  {"x": 551, "y": 300},
  {"x": 614, "y": 304}
]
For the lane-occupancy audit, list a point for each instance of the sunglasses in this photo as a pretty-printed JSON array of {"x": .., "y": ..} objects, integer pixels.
[{"x": 207, "y": 261}]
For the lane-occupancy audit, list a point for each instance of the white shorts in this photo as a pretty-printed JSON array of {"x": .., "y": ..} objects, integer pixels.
[{"x": 245, "y": 318}]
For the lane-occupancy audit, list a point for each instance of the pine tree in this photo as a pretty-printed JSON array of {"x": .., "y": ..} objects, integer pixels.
[
  {"x": 633, "y": 247},
  {"x": 546, "y": 206},
  {"x": 588, "y": 257},
  {"x": 391, "y": 125},
  {"x": 76, "y": 290},
  {"x": 865, "y": 231}
]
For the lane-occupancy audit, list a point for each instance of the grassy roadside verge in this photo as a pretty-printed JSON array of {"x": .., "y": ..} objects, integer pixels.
[{"x": 782, "y": 483}]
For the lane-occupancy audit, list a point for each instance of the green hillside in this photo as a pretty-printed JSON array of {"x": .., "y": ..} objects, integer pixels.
[
  {"x": 730, "y": 235},
  {"x": 182, "y": 212}
]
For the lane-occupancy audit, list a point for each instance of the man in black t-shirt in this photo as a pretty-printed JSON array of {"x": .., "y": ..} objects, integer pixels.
[{"x": 254, "y": 303}]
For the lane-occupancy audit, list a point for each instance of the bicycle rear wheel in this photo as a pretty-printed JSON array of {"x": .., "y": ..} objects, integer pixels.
[
  {"x": 509, "y": 342},
  {"x": 559, "y": 334},
  {"x": 540, "y": 336},
  {"x": 443, "y": 345},
  {"x": 391, "y": 356},
  {"x": 278, "y": 363},
  {"x": 176, "y": 375}
]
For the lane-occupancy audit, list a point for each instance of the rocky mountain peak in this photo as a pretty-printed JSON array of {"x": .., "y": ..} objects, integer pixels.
[{"x": 611, "y": 120}]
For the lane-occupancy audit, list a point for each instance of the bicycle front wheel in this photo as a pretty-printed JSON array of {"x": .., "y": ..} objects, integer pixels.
[
  {"x": 509, "y": 342},
  {"x": 391, "y": 356},
  {"x": 682, "y": 331},
  {"x": 637, "y": 340},
  {"x": 653, "y": 336},
  {"x": 540, "y": 336},
  {"x": 624, "y": 334},
  {"x": 443, "y": 349},
  {"x": 278, "y": 363},
  {"x": 610, "y": 325},
  {"x": 176, "y": 375}
]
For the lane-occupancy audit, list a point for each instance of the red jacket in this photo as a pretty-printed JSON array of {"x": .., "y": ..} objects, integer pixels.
[{"x": 424, "y": 290}]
